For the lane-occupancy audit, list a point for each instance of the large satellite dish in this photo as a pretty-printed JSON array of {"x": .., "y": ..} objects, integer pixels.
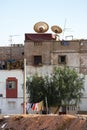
[
  {"x": 56, "y": 29},
  {"x": 41, "y": 27}
]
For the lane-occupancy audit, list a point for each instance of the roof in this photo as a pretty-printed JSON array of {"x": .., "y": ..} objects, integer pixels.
[{"x": 38, "y": 37}]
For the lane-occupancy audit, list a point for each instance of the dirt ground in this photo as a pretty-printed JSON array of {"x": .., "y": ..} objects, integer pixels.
[{"x": 43, "y": 122}]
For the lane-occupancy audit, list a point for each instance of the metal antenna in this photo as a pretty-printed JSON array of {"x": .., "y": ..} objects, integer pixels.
[
  {"x": 64, "y": 29},
  {"x": 11, "y": 38}
]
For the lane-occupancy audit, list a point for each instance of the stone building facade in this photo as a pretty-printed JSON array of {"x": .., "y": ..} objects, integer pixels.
[
  {"x": 11, "y": 57},
  {"x": 48, "y": 51},
  {"x": 43, "y": 52}
]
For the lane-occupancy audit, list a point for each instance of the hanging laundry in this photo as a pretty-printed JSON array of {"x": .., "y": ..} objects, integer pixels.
[
  {"x": 37, "y": 106},
  {"x": 40, "y": 106},
  {"x": 33, "y": 106},
  {"x": 64, "y": 43}
]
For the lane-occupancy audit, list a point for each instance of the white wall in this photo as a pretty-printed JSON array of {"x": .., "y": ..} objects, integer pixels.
[
  {"x": 83, "y": 104},
  {"x": 11, "y": 105}
]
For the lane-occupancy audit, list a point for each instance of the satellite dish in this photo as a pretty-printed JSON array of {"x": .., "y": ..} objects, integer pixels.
[
  {"x": 56, "y": 29},
  {"x": 41, "y": 27}
]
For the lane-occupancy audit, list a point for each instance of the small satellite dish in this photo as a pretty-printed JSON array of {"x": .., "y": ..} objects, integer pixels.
[
  {"x": 56, "y": 29},
  {"x": 41, "y": 27}
]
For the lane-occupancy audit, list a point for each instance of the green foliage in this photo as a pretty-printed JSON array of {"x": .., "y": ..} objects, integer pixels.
[
  {"x": 35, "y": 88},
  {"x": 63, "y": 87},
  {"x": 69, "y": 84}
]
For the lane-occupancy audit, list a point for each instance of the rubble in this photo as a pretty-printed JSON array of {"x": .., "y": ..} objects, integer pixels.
[{"x": 43, "y": 122}]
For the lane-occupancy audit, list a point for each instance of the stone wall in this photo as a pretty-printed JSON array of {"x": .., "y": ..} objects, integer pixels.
[{"x": 12, "y": 52}]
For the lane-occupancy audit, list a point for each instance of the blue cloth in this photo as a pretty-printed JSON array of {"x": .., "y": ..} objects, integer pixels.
[{"x": 64, "y": 43}]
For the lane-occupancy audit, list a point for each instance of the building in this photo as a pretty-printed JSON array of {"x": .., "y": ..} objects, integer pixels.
[
  {"x": 11, "y": 79},
  {"x": 11, "y": 57},
  {"x": 11, "y": 91},
  {"x": 43, "y": 51}
]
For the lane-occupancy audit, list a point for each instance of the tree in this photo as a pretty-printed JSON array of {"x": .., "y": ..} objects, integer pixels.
[
  {"x": 35, "y": 88},
  {"x": 69, "y": 85},
  {"x": 63, "y": 87}
]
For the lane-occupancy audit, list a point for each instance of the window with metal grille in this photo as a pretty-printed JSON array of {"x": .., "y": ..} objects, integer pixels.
[
  {"x": 11, "y": 84},
  {"x": 62, "y": 59},
  {"x": 37, "y": 60},
  {"x": 37, "y": 43}
]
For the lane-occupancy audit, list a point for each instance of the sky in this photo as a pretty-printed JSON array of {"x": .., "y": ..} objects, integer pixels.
[{"x": 18, "y": 17}]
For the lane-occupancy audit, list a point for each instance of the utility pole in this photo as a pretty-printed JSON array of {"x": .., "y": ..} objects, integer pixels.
[{"x": 24, "y": 90}]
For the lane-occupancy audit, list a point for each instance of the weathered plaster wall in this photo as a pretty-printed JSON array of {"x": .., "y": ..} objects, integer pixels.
[{"x": 11, "y": 105}]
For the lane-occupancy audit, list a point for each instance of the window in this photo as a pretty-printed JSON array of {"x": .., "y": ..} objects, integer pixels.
[
  {"x": 62, "y": 59},
  {"x": 11, "y": 105},
  {"x": 37, "y": 43},
  {"x": 37, "y": 60},
  {"x": 11, "y": 84}
]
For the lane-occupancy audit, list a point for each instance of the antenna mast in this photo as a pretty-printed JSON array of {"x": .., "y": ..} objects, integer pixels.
[
  {"x": 64, "y": 27},
  {"x": 11, "y": 38}
]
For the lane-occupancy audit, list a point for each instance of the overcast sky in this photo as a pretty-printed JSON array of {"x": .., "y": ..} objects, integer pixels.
[{"x": 18, "y": 17}]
